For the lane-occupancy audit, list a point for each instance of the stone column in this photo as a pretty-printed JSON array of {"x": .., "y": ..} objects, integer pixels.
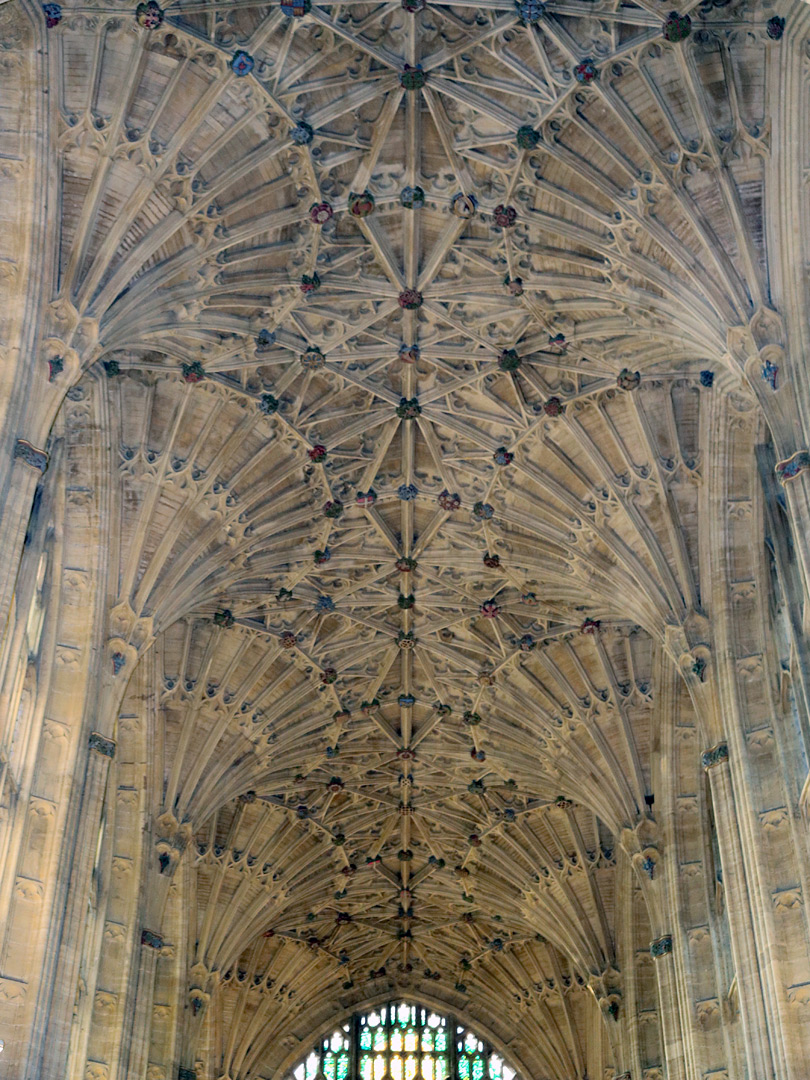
[
  {"x": 50, "y": 1037},
  {"x": 669, "y": 1013},
  {"x": 740, "y": 919},
  {"x": 788, "y": 237},
  {"x": 135, "y": 1051},
  {"x": 794, "y": 475},
  {"x": 30, "y": 464}
]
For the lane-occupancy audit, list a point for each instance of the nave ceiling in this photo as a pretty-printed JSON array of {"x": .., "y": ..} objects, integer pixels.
[{"x": 406, "y": 340}]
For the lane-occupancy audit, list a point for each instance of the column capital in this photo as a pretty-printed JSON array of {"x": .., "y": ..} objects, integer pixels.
[
  {"x": 790, "y": 468},
  {"x": 661, "y": 947},
  {"x": 715, "y": 755},
  {"x": 101, "y": 745},
  {"x": 31, "y": 455},
  {"x": 151, "y": 939}
]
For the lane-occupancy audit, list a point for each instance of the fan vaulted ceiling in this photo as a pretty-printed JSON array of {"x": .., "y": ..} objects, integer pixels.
[{"x": 372, "y": 286}]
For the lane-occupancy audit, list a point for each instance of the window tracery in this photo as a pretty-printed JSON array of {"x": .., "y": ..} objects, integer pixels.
[{"x": 402, "y": 1041}]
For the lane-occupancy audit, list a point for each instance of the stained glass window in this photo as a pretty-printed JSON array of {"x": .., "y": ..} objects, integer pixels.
[
  {"x": 402, "y": 1041},
  {"x": 329, "y": 1060}
]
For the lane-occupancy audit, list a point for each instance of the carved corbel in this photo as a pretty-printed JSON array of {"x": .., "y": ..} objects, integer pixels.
[
  {"x": 682, "y": 640},
  {"x": 760, "y": 351},
  {"x": 200, "y": 978},
  {"x": 646, "y": 862},
  {"x": 766, "y": 369},
  {"x": 60, "y": 363},
  {"x": 767, "y": 328},
  {"x": 64, "y": 315},
  {"x": 708, "y": 1013},
  {"x": 697, "y": 627},
  {"x": 173, "y": 839},
  {"x": 643, "y": 845},
  {"x": 167, "y": 824},
  {"x": 611, "y": 1005},
  {"x": 198, "y": 1001},
  {"x": 168, "y": 857},
  {"x": 641, "y": 839},
  {"x": 696, "y": 664},
  {"x": 689, "y": 646},
  {"x": 127, "y": 625},
  {"x": 201, "y": 983},
  {"x": 121, "y": 658},
  {"x": 606, "y": 988}
]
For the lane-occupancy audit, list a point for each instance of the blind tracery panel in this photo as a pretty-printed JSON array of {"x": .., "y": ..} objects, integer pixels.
[{"x": 402, "y": 1041}]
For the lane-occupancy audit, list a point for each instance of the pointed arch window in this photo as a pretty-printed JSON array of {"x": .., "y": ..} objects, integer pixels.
[{"x": 402, "y": 1041}]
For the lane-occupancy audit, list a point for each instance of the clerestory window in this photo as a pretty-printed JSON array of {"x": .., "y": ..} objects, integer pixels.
[{"x": 402, "y": 1041}]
